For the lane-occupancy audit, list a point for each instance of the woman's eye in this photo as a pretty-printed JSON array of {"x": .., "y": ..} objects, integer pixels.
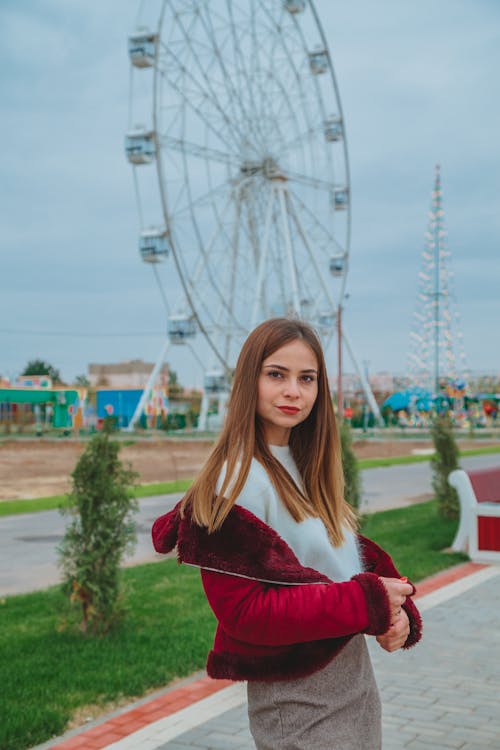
[
  {"x": 308, "y": 378},
  {"x": 274, "y": 374}
]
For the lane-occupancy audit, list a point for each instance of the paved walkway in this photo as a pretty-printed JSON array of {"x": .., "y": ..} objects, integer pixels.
[{"x": 442, "y": 694}]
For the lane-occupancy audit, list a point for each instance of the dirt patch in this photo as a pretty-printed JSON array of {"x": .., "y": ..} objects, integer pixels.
[{"x": 31, "y": 468}]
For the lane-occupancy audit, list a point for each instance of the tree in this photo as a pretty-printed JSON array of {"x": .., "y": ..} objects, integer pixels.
[
  {"x": 40, "y": 367},
  {"x": 101, "y": 531},
  {"x": 444, "y": 460},
  {"x": 175, "y": 389},
  {"x": 352, "y": 478},
  {"x": 82, "y": 381}
]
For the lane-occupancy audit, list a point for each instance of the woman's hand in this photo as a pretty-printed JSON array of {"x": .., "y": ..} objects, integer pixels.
[
  {"x": 397, "y": 591},
  {"x": 397, "y": 635}
]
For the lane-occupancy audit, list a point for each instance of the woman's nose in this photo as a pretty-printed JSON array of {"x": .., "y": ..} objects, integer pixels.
[{"x": 292, "y": 388}]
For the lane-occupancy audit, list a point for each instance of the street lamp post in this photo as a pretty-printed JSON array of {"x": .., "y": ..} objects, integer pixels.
[
  {"x": 365, "y": 405},
  {"x": 340, "y": 395}
]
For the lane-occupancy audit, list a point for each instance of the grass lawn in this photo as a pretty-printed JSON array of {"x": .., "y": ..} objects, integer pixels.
[
  {"x": 414, "y": 537},
  {"x": 50, "y": 675},
  {"x": 13, "y": 507},
  {"x": 372, "y": 463}
]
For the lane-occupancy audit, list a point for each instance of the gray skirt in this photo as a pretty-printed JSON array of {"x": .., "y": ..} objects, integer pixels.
[{"x": 335, "y": 708}]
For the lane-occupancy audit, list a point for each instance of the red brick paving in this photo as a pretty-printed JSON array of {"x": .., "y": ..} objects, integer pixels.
[
  {"x": 450, "y": 575},
  {"x": 130, "y": 721}
]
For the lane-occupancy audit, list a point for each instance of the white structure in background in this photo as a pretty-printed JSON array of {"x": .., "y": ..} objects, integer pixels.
[
  {"x": 237, "y": 142},
  {"x": 133, "y": 373},
  {"x": 436, "y": 341}
]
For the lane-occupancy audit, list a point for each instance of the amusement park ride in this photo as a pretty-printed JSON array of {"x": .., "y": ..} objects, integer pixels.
[{"x": 241, "y": 175}]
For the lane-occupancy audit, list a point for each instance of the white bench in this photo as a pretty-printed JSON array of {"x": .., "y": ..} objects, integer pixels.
[{"x": 478, "y": 533}]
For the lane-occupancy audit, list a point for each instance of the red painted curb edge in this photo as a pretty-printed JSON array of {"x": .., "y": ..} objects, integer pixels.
[
  {"x": 450, "y": 575},
  {"x": 161, "y": 706}
]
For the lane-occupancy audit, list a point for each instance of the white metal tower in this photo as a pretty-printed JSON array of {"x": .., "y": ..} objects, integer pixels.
[{"x": 436, "y": 356}]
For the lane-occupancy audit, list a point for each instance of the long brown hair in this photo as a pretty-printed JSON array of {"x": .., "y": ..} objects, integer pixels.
[{"x": 314, "y": 443}]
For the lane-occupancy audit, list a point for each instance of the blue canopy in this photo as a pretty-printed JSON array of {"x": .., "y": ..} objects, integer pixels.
[{"x": 415, "y": 398}]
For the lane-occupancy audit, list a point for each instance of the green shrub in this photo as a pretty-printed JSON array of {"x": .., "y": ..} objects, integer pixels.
[
  {"x": 352, "y": 477},
  {"x": 444, "y": 460},
  {"x": 100, "y": 532}
]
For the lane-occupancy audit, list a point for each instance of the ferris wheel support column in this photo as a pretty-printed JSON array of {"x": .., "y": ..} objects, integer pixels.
[
  {"x": 202, "y": 419},
  {"x": 147, "y": 388},
  {"x": 289, "y": 252},
  {"x": 303, "y": 237},
  {"x": 262, "y": 261},
  {"x": 222, "y": 399},
  {"x": 364, "y": 382}
]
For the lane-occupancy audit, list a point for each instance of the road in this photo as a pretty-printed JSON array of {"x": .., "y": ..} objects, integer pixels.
[{"x": 28, "y": 542}]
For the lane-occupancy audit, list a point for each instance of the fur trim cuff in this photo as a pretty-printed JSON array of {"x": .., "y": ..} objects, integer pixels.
[
  {"x": 415, "y": 624},
  {"x": 377, "y": 603},
  {"x": 297, "y": 661}
]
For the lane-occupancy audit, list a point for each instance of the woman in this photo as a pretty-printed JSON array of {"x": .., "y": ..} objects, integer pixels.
[{"x": 293, "y": 586}]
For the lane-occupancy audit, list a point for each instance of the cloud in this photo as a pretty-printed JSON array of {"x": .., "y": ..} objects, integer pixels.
[{"x": 418, "y": 85}]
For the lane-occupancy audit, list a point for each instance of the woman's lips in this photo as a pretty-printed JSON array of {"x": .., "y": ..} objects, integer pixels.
[{"x": 289, "y": 409}]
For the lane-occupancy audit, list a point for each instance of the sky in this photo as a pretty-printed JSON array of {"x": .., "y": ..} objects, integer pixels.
[{"x": 419, "y": 85}]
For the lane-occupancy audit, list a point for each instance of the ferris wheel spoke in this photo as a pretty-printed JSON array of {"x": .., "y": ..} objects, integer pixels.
[
  {"x": 206, "y": 268},
  {"x": 242, "y": 112},
  {"x": 160, "y": 287},
  {"x": 279, "y": 262},
  {"x": 232, "y": 268},
  {"x": 319, "y": 272},
  {"x": 262, "y": 82},
  {"x": 207, "y": 86},
  {"x": 212, "y": 194},
  {"x": 298, "y": 140},
  {"x": 294, "y": 69},
  {"x": 313, "y": 182},
  {"x": 285, "y": 91},
  {"x": 292, "y": 270},
  {"x": 321, "y": 114},
  {"x": 203, "y": 152},
  {"x": 324, "y": 231},
  {"x": 198, "y": 110},
  {"x": 247, "y": 71},
  {"x": 255, "y": 76},
  {"x": 258, "y": 301},
  {"x": 203, "y": 263}
]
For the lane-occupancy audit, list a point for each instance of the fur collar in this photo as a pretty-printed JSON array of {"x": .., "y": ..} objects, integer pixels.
[{"x": 244, "y": 546}]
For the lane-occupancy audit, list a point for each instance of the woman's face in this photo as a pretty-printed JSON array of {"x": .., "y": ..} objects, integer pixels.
[{"x": 287, "y": 389}]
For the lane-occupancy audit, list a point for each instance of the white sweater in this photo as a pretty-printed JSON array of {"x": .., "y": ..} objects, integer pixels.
[{"x": 308, "y": 539}]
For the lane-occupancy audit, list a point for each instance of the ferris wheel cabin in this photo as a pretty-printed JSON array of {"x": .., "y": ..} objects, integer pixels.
[
  {"x": 340, "y": 199},
  {"x": 294, "y": 6},
  {"x": 326, "y": 320},
  {"x": 153, "y": 245},
  {"x": 337, "y": 265},
  {"x": 215, "y": 381},
  {"x": 142, "y": 49},
  {"x": 333, "y": 129},
  {"x": 140, "y": 146},
  {"x": 181, "y": 328},
  {"x": 318, "y": 61}
]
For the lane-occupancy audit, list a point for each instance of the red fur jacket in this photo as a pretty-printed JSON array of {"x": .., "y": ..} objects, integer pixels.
[{"x": 276, "y": 618}]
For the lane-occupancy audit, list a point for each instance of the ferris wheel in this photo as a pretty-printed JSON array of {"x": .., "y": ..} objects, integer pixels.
[{"x": 238, "y": 146}]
